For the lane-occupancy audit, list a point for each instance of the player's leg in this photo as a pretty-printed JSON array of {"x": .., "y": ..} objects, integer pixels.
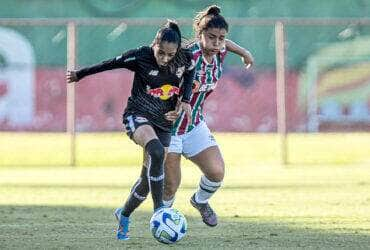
[
  {"x": 212, "y": 165},
  {"x": 172, "y": 170},
  {"x": 172, "y": 177},
  {"x": 151, "y": 178},
  {"x": 138, "y": 194},
  {"x": 146, "y": 137},
  {"x": 139, "y": 191},
  {"x": 201, "y": 148}
]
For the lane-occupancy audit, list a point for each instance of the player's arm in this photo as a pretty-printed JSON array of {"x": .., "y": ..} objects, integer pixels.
[
  {"x": 126, "y": 60},
  {"x": 187, "y": 85},
  {"x": 245, "y": 55}
]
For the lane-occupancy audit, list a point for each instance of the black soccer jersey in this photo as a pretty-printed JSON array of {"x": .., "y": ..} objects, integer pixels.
[{"x": 155, "y": 89}]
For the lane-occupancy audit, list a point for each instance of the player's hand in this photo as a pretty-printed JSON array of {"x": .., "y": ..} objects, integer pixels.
[
  {"x": 71, "y": 76},
  {"x": 247, "y": 59},
  {"x": 186, "y": 107},
  {"x": 171, "y": 115}
]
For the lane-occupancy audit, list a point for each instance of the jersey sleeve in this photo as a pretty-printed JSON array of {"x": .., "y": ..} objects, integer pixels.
[
  {"x": 127, "y": 60},
  {"x": 188, "y": 78}
]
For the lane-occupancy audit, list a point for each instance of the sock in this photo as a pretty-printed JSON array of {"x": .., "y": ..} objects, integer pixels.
[
  {"x": 156, "y": 152},
  {"x": 206, "y": 189},
  {"x": 138, "y": 193},
  {"x": 169, "y": 202}
]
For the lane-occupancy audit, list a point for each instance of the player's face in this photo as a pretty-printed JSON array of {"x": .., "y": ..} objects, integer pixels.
[
  {"x": 164, "y": 52},
  {"x": 212, "y": 40}
]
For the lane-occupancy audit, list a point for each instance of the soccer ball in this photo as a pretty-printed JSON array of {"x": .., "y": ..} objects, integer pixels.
[{"x": 168, "y": 225}]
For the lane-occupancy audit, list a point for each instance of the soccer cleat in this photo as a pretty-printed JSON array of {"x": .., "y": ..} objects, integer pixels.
[
  {"x": 208, "y": 215},
  {"x": 123, "y": 223}
]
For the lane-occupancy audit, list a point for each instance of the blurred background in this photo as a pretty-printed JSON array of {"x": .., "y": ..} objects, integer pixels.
[
  {"x": 324, "y": 105},
  {"x": 294, "y": 129}
]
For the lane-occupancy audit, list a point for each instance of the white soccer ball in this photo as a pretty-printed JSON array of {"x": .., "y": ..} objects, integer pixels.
[{"x": 168, "y": 225}]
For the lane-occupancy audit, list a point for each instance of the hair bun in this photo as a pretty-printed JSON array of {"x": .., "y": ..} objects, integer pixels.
[
  {"x": 171, "y": 24},
  {"x": 213, "y": 10}
]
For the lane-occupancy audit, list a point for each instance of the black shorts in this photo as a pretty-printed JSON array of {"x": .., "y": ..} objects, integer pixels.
[{"x": 132, "y": 121}]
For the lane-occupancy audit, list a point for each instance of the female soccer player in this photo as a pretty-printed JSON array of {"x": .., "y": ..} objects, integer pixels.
[
  {"x": 191, "y": 137},
  {"x": 159, "y": 70}
]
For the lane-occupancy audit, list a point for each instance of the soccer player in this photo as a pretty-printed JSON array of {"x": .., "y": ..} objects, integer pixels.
[
  {"x": 163, "y": 72},
  {"x": 191, "y": 137}
]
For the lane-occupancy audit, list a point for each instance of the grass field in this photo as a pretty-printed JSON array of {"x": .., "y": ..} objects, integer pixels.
[
  {"x": 113, "y": 149},
  {"x": 261, "y": 205}
]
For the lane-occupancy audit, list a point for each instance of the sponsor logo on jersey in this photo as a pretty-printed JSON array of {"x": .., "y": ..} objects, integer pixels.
[
  {"x": 164, "y": 92},
  {"x": 198, "y": 87},
  {"x": 153, "y": 73}
]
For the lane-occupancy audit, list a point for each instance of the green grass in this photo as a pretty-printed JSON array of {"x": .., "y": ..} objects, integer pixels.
[
  {"x": 259, "y": 207},
  {"x": 113, "y": 149},
  {"x": 320, "y": 201}
]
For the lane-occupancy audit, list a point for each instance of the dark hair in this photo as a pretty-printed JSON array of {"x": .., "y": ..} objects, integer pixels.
[
  {"x": 209, "y": 18},
  {"x": 170, "y": 32}
]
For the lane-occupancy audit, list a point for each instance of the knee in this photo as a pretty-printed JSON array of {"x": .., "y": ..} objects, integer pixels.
[
  {"x": 156, "y": 150},
  {"x": 158, "y": 153}
]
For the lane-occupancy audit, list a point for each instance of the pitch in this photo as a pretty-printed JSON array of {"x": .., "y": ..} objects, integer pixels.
[{"x": 260, "y": 206}]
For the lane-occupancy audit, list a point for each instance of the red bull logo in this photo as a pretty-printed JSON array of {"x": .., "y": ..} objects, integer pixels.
[{"x": 164, "y": 92}]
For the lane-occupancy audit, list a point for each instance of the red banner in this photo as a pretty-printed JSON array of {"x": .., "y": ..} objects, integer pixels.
[{"x": 243, "y": 101}]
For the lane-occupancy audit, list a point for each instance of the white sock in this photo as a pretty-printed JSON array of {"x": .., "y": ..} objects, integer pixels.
[
  {"x": 206, "y": 189},
  {"x": 169, "y": 203}
]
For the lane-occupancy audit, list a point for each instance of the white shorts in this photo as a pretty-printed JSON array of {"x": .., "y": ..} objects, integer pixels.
[{"x": 193, "y": 142}]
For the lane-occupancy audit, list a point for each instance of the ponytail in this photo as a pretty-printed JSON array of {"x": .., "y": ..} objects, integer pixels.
[{"x": 173, "y": 25}]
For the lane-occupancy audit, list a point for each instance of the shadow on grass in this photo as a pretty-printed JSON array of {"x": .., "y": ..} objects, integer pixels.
[{"x": 72, "y": 227}]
